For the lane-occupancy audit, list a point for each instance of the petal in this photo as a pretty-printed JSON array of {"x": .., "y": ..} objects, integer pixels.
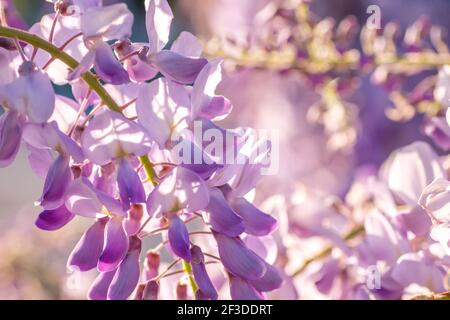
[
  {"x": 63, "y": 29},
  {"x": 417, "y": 221},
  {"x": 238, "y": 259},
  {"x": 242, "y": 290},
  {"x": 187, "y": 45},
  {"x": 39, "y": 160},
  {"x": 255, "y": 221},
  {"x": 130, "y": 186},
  {"x": 412, "y": 268},
  {"x": 116, "y": 246},
  {"x": 205, "y": 86},
  {"x": 54, "y": 219},
  {"x": 438, "y": 130},
  {"x": 48, "y": 136},
  {"x": 99, "y": 288},
  {"x": 110, "y": 135},
  {"x": 153, "y": 107},
  {"x": 30, "y": 94},
  {"x": 383, "y": 241},
  {"x": 109, "y": 22},
  {"x": 201, "y": 277},
  {"x": 179, "y": 238},
  {"x": 221, "y": 217},
  {"x": 441, "y": 233},
  {"x": 84, "y": 66},
  {"x": 56, "y": 183},
  {"x": 10, "y": 136},
  {"x": 82, "y": 199},
  {"x": 151, "y": 291},
  {"x": 435, "y": 198},
  {"x": 271, "y": 280},
  {"x": 87, "y": 251},
  {"x": 409, "y": 170},
  {"x": 126, "y": 277},
  {"x": 65, "y": 112},
  {"x": 108, "y": 67},
  {"x": 177, "y": 67},
  {"x": 180, "y": 189},
  {"x": 158, "y": 18}
]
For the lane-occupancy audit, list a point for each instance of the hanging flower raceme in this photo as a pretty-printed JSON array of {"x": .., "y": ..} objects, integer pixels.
[
  {"x": 143, "y": 61},
  {"x": 135, "y": 174},
  {"x": 99, "y": 25}
]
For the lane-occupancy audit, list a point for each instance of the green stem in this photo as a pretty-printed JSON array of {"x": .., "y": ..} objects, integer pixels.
[
  {"x": 56, "y": 53},
  {"x": 327, "y": 251},
  {"x": 96, "y": 86},
  {"x": 149, "y": 170},
  {"x": 188, "y": 270}
]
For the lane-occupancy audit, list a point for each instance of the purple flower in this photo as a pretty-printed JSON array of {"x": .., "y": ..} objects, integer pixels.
[{"x": 10, "y": 136}]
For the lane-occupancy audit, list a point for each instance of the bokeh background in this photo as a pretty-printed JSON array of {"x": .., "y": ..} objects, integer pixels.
[{"x": 32, "y": 263}]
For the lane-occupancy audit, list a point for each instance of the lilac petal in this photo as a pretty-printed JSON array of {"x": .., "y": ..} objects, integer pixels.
[
  {"x": 410, "y": 169},
  {"x": 441, "y": 233},
  {"x": 221, "y": 217},
  {"x": 99, "y": 288},
  {"x": 48, "y": 136},
  {"x": 417, "y": 221},
  {"x": 161, "y": 105},
  {"x": 180, "y": 189},
  {"x": 64, "y": 28},
  {"x": 54, "y": 219},
  {"x": 108, "y": 67},
  {"x": 65, "y": 112},
  {"x": 187, "y": 45},
  {"x": 238, "y": 259},
  {"x": 110, "y": 135},
  {"x": 151, "y": 291},
  {"x": 130, "y": 186},
  {"x": 116, "y": 246},
  {"x": 218, "y": 108},
  {"x": 56, "y": 184},
  {"x": 158, "y": 18},
  {"x": 126, "y": 277},
  {"x": 80, "y": 91},
  {"x": 201, "y": 277},
  {"x": 39, "y": 160},
  {"x": 327, "y": 275},
  {"x": 10, "y": 136},
  {"x": 81, "y": 199},
  {"x": 243, "y": 290},
  {"x": 177, "y": 67},
  {"x": 108, "y": 22},
  {"x": 84, "y": 5},
  {"x": 414, "y": 268},
  {"x": 382, "y": 239},
  {"x": 438, "y": 130},
  {"x": 87, "y": 251},
  {"x": 30, "y": 94},
  {"x": 138, "y": 70},
  {"x": 132, "y": 223},
  {"x": 435, "y": 199},
  {"x": 179, "y": 238},
  {"x": 271, "y": 280},
  {"x": 255, "y": 221},
  {"x": 204, "y": 91},
  {"x": 83, "y": 67}
]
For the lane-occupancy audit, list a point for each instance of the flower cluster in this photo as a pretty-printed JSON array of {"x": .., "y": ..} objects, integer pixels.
[
  {"x": 388, "y": 236},
  {"x": 397, "y": 246},
  {"x": 123, "y": 153},
  {"x": 333, "y": 56}
]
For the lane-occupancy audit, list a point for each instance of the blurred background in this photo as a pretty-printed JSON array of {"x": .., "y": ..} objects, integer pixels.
[{"x": 32, "y": 264}]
